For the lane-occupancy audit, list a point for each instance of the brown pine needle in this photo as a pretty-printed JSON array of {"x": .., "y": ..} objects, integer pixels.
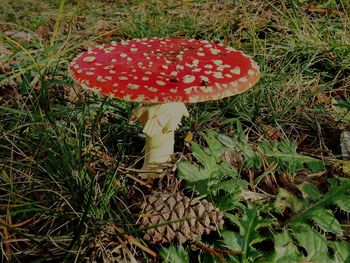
[
  {"x": 139, "y": 181},
  {"x": 6, "y": 238},
  {"x": 217, "y": 252},
  {"x": 18, "y": 225},
  {"x": 135, "y": 242}
]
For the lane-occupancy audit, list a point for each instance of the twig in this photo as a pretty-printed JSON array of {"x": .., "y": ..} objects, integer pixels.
[
  {"x": 217, "y": 252},
  {"x": 128, "y": 252},
  {"x": 222, "y": 251},
  {"x": 139, "y": 181},
  {"x": 134, "y": 241},
  {"x": 6, "y": 238}
]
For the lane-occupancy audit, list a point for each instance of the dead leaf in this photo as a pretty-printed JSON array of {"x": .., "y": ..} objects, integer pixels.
[
  {"x": 345, "y": 145},
  {"x": 234, "y": 158},
  {"x": 45, "y": 30},
  {"x": 189, "y": 136},
  {"x": 5, "y": 63},
  {"x": 322, "y": 98},
  {"x": 21, "y": 35},
  {"x": 73, "y": 94}
]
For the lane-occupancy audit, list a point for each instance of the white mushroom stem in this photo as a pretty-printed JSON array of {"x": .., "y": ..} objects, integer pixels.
[
  {"x": 158, "y": 149},
  {"x": 160, "y": 122}
]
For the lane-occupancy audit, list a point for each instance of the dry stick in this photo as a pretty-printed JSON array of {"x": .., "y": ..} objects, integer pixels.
[
  {"x": 9, "y": 222},
  {"x": 126, "y": 169},
  {"x": 135, "y": 242},
  {"x": 251, "y": 180},
  {"x": 139, "y": 181},
  {"x": 222, "y": 251},
  {"x": 18, "y": 225},
  {"x": 3, "y": 226},
  {"x": 6, "y": 238},
  {"x": 128, "y": 252},
  {"x": 217, "y": 252},
  {"x": 211, "y": 251}
]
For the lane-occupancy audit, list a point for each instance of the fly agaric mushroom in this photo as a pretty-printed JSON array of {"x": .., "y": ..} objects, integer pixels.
[{"x": 163, "y": 74}]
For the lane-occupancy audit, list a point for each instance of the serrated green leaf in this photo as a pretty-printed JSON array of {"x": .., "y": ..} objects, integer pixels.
[
  {"x": 285, "y": 199},
  {"x": 325, "y": 219},
  {"x": 343, "y": 203},
  {"x": 199, "y": 153},
  {"x": 311, "y": 192},
  {"x": 285, "y": 250},
  {"x": 215, "y": 146},
  {"x": 231, "y": 186},
  {"x": 227, "y": 141},
  {"x": 314, "y": 243},
  {"x": 174, "y": 254},
  {"x": 226, "y": 202},
  {"x": 196, "y": 177},
  {"x": 319, "y": 212},
  {"x": 199, "y": 187},
  {"x": 226, "y": 194},
  {"x": 232, "y": 240},
  {"x": 237, "y": 144},
  {"x": 235, "y": 242},
  {"x": 340, "y": 182},
  {"x": 204, "y": 177},
  {"x": 251, "y": 159},
  {"x": 205, "y": 157},
  {"x": 285, "y": 154},
  {"x": 228, "y": 171},
  {"x": 191, "y": 173},
  {"x": 249, "y": 225},
  {"x": 341, "y": 251}
]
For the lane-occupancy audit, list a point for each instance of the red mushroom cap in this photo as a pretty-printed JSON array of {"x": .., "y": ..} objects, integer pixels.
[{"x": 159, "y": 70}]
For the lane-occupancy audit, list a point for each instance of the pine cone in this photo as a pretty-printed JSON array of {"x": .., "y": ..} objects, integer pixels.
[{"x": 181, "y": 218}]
